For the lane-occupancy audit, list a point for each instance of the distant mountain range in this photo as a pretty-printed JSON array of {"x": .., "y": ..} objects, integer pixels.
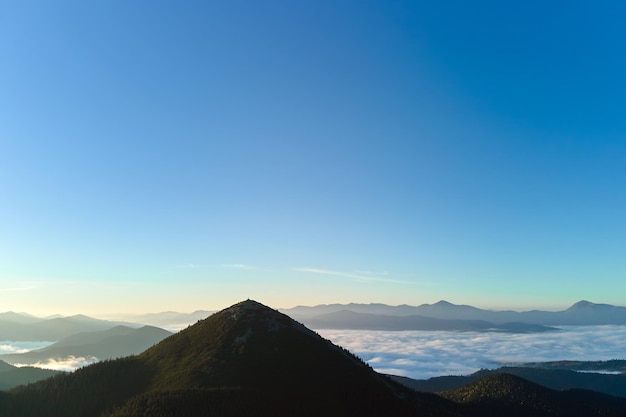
[
  {"x": 346, "y": 319},
  {"x": 439, "y": 316},
  {"x": 581, "y": 313},
  {"x": 250, "y": 360},
  {"x": 15, "y": 326}
]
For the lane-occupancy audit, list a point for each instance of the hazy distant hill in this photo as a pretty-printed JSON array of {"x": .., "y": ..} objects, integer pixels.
[
  {"x": 12, "y": 376},
  {"x": 346, "y": 319},
  {"x": 15, "y": 326},
  {"x": 581, "y": 313},
  {"x": 508, "y": 395},
  {"x": 610, "y": 366},
  {"x": 106, "y": 344},
  {"x": 556, "y": 379},
  {"x": 170, "y": 320},
  {"x": 12, "y": 317}
]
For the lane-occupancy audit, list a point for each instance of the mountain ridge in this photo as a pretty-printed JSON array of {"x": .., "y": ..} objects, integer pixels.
[
  {"x": 12, "y": 376},
  {"x": 580, "y": 313},
  {"x": 510, "y": 395},
  {"x": 346, "y": 319}
]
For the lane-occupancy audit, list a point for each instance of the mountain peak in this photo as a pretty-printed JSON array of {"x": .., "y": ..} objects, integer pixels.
[
  {"x": 501, "y": 388},
  {"x": 249, "y": 358},
  {"x": 248, "y": 305},
  {"x": 257, "y": 317},
  {"x": 238, "y": 346},
  {"x": 587, "y": 305}
]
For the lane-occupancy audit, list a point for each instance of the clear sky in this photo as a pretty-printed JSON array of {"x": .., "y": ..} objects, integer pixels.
[{"x": 182, "y": 155}]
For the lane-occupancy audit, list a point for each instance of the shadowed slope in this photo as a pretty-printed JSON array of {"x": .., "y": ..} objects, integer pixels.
[{"x": 12, "y": 376}]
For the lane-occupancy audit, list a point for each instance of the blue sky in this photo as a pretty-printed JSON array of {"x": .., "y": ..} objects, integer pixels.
[{"x": 187, "y": 155}]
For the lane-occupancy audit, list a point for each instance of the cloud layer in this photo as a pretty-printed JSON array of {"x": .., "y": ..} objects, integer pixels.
[
  {"x": 422, "y": 354},
  {"x": 70, "y": 363},
  {"x": 7, "y": 346}
]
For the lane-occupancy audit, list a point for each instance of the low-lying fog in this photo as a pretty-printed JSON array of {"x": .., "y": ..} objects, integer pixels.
[
  {"x": 7, "y": 346},
  {"x": 69, "y": 363},
  {"x": 425, "y": 354}
]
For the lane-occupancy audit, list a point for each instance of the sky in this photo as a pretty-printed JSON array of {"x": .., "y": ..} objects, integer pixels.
[{"x": 160, "y": 155}]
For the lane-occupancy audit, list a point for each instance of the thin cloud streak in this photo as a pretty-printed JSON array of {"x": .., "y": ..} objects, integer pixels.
[
  {"x": 238, "y": 266},
  {"x": 189, "y": 266},
  {"x": 363, "y": 276}
]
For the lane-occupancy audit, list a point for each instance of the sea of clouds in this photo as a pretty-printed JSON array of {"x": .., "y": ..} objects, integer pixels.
[{"x": 425, "y": 354}]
